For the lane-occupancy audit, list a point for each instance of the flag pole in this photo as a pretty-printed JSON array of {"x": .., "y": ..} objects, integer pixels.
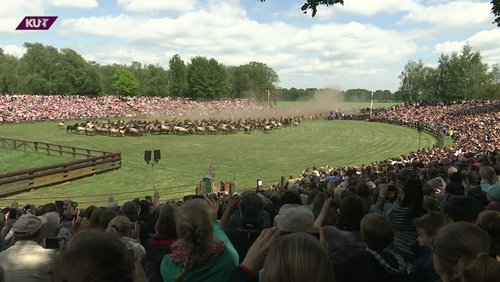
[{"x": 268, "y": 98}]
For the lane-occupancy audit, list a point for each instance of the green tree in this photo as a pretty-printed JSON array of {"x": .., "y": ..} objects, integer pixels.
[
  {"x": 357, "y": 95},
  {"x": 383, "y": 95},
  {"x": 418, "y": 82},
  {"x": 9, "y": 73},
  {"x": 207, "y": 79},
  {"x": 495, "y": 10},
  {"x": 124, "y": 82},
  {"x": 461, "y": 76},
  {"x": 106, "y": 74},
  {"x": 252, "y": 80},
  {"x": 155, "y": 81},
  {"x": 178, "y": 84},
  {"x": 75, "y": 75},
  {"x": 41, "y": 65}
]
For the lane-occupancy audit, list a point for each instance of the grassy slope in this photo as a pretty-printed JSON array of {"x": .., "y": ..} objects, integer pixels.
[
  {"x": 185, "y": 159},
  {"x": 11, "y": 160}
]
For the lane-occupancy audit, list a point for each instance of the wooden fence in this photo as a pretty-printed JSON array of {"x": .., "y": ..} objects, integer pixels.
[{"x": 87, "y": 162}]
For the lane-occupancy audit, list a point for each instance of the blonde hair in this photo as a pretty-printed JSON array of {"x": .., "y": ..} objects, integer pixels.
[
  {"x": 462, "y": 251},
  {"x": 195, "y": 229},
  {"x": 298, "y": 257},
  {"x": 119, "y": 226}
]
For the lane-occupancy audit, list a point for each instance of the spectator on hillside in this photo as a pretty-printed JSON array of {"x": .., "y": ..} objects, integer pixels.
[
  {"x": 462, "y": 253},
  {"x": 159, "y": 245},
  {"x": 387, "y": 195},
  {"x": 493, "y": 196},
  {"x": 474, "y": 187},
  {"x": 489, "y": 221},
  {"x": 95, "y": 256},
  {"x": 294, "y": 218},
  {"x": 253, "y": 207},
  {"x": 145, "y": 220},
  {"x": 378, "y": 262},
  {"x": 252, "y": 218},
  {"x": 203, "y": 252},
  {"x": 120, "y": 227},
  {"x": 488, "y": 176},
  {"x": 298, "y": 257},
  {"x": 459, "y": 206},
  {"x": 363, "y": 193},
  {"x": 402, "y": 216},
  {"x": 27, "y": 260},
  {"x": 427, "y": 227},
  {"x": 345, "y": 239},
  {"x": 107, "y": 215}
]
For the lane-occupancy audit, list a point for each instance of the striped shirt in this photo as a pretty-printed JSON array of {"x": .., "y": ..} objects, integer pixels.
[{"x": 405, "y": 231}]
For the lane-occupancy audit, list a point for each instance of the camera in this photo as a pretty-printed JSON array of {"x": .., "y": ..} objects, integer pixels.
[
  {"x": 51, "y": 242},
  {"x": 13, "y": 213},
  {"x": 68, "y": 217}
]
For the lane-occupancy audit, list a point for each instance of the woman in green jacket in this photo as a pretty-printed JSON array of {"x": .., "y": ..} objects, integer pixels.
[{"x": 203, "y": 251}]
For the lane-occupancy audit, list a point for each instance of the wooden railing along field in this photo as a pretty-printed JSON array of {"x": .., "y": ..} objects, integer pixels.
[{"x": 87, "y": 162}]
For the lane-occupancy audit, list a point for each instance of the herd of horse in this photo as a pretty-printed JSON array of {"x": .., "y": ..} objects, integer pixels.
[{"x": 121, "y": 128}]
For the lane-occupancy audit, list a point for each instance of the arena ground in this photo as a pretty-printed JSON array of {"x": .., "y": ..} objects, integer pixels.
[{"x": 185, "y": 159}]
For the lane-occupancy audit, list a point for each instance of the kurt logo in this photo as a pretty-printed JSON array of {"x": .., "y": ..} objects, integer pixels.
[{"x": 36, "y": 23}]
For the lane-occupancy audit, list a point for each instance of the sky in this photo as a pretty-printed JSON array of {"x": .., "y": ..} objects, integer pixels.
[{"x": 363, "y": 44}]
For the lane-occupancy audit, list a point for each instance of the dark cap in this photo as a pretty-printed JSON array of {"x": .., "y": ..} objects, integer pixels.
[
  {"x": 474, "y": 177},
  {"x": 456, "y": 189}
]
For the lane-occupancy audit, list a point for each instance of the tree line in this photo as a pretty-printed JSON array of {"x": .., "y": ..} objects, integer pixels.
[
  {"x": 47, "y": 70},
  {"x": 457, "y": 76}
]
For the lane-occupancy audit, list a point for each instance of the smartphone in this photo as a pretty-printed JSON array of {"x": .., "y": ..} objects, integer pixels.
[
  {"x": 68, "y": 217},
  {"x": 13, "y": 213},
  {"x": 60, "y": 207},
  {"x": 51, "y": 242}
]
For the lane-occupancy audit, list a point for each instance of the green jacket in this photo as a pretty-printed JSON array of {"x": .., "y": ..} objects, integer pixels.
[{"x": 214, "y": 270}]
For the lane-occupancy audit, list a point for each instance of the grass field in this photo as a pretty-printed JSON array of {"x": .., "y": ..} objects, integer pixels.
[
  {"x": 11, "y": 160},
  {"x": 185, "y": 159}
]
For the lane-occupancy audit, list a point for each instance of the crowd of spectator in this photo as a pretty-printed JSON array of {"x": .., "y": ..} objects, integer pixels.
[
  {"x": 432, "y": 215},
  {"x": 22, "y": 108}
]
